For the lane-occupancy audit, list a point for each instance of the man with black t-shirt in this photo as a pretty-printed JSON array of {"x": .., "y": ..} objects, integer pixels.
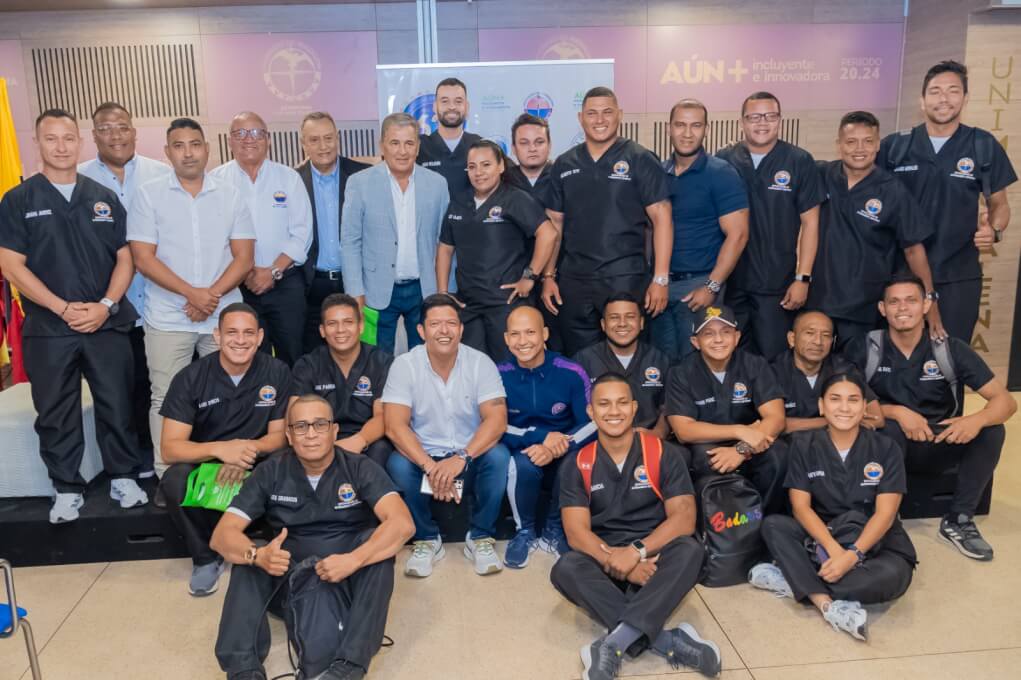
[
  {"x": 446, "y": 150},
  {"x": 530, "y": 140},
  {"x": 946, "y": 165},
  {"x": 916, "y": 395},
  {"x": 603, "y": 195}
]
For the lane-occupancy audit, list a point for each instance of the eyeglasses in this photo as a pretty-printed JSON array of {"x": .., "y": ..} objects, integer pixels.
[
  {"x": 251, "y": 133},
  {"x": 301, "y": 427},
  {"x": 107, "y": 130},
  {"x": 770, "y": 117}
]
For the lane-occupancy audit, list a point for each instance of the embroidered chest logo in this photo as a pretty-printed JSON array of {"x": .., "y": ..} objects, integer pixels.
[
  {"x": 346, "y": 497},
  {"x": 930, "y": 371},
  {"x": 872, "y": 473},
  {"x": 621, "y": 170},
  {"x": 495, "y": 214},
  {"x": 267, "y": 396},
  {"x": 559, "y": 407},
  {"x": 965, "y": 169},
  {"x": 741, "y": 394},
  {"x": 781, "y": 181},
  {"x": 653, "y": 377},
  {"x": 641, "y": 479},
  {"x": 873, "y": 207},
  {"x": 279, "y": 198},
  {"x": 101, "y": 212},
  {"x": 363, "y": 388}
]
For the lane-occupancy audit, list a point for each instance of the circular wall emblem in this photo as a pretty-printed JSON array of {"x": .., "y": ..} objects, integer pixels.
[
  {"x": 421, "y": 108},
  {"x": 292, "y": 71},
  {"x": 539, "y": 104}
]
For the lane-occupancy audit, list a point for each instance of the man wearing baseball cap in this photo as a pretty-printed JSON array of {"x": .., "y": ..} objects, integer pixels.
[{"x": 726, "y": 405}]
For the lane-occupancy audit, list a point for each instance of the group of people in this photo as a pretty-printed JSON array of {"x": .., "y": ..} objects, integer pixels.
[{"x": 593, "y": 337}]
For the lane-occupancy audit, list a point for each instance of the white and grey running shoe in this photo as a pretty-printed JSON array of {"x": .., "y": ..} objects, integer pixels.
[
  {"x": 65, "y": 507},
  {"x": 848, "y": 617},
  {"x": 424, "y": 554},
  {"x": 482, "y": 553},
  {"x": 768, "y": 576}
]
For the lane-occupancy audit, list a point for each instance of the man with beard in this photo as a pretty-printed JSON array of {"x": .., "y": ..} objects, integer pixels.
[
  {"x": 446, "y": 150},
  {"x": 946, "y": 165}
]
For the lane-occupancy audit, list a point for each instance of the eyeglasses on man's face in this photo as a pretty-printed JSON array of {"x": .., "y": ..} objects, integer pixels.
[
  {"x": 770, "y": 117},
  {"x": 301, "y": 427},
  {"x": 249, "y": 133}
]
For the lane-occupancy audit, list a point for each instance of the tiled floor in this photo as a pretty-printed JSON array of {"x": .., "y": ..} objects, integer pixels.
[{"x": 960, "y": 620}]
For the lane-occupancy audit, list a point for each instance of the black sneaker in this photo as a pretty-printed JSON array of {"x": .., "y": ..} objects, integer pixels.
[
  {"x": 247, "y": 675},
  {"x": 343, "y": 670},
  {"x": 688, "y": 649},
  {"x": 601, "y": 661},
  {"x": 964, "y": 535}
]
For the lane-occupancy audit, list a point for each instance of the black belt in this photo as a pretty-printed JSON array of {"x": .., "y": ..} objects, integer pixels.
[
  {"x": 688, "y": 276},
  {"x": 332, "y": 275},
  {"x": 404, "y": 282}
]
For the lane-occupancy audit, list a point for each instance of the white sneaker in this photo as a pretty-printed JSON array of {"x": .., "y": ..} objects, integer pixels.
[
  {"x": 482, "y": 552},
  {"x": 127, "y": 493},
  {"x": 768, "y": 576},
  {"x": 424, "y": 554},
  {"x": 848, "y": 617},
  {"x": 65, "y": 507}
]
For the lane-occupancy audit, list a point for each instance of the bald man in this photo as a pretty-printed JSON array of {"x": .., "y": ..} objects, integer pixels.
[
  {"x": 282, "y": 216},
  {"x": 546, "y": 399}
]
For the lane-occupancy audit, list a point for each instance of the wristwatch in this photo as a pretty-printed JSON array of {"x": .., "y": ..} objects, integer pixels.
[
  {"x": 529, "y": 274},
  {"x": 803, "y": 278},
  {"x": 640, "y": 547},
  {"x": 745, "y": 449},
  {"x": 251, "y": 554},
  {"x": 858, "y": 553},
  {"x": 997, "y": 235},
  {"x": 276, "y": 273},
  {"x": 463, "y": 455},
  {"x": 713, "y": 286},
  {"x": 110, "y": 305},
  {"x": 932, "y": 295},
  {"x": 661, "y": 280}
]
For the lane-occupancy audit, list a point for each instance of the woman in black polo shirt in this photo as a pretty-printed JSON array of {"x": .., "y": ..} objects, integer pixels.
[{"x": 844, "y": 546}]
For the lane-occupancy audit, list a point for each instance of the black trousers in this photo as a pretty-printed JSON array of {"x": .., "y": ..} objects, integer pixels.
[
  {"x": 582, "y": 310},
  {"x": 141, "y": 392},
  {"x": 379, "y": 452},
  {"x": 583, "y": 582},
  {"x": 282, "y": 314},
  {"x": 484, "y": 328},
  {"x": 881, "y": 578},
  {"x": 195, "y": 524},
  {"x": 55, "y": 366},
  {"x": 244, "y": 638},
  {"x": 845, "y": 330},
  {"x": 976, "y": 462},
  {"x": 763, "y": 322},
  {"x": 958, "y": 307},
  {"x": 766, "y": 471},
  {"x": 320, "y": 287}
]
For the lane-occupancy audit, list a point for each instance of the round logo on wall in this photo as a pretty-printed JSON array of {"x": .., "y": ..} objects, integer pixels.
[
  {"x": 292, "y": 71},
  {"x": 421, "y": 108}
]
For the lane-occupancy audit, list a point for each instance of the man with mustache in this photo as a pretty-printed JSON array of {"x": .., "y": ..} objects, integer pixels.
[{"x": 446, "y": 150}]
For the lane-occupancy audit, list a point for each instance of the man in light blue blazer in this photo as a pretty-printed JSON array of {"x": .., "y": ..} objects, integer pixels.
[{"x": 390, "y": 228}]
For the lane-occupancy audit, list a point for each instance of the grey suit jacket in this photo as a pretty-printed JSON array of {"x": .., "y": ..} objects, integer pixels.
[{"x": 368, "y": 232}]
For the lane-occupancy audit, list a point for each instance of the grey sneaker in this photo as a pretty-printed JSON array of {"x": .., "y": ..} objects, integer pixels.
[
  {"x": 206, "y": 578},
  {"x": 768, "y": 576},
  {"x": 964, "y": 535},
  {"x": 482, "y": 552},
  {"x": 424, "y": 554},
  {"x": 848, "y": 617},
  {"x": 688, "y": 649},
  {"x": 127, "y": 493},
  {"x": 600, "y": 660},
  {"x": 65, "y": 507}
]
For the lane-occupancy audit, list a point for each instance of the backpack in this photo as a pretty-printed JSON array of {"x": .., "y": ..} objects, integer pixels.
[
  {"x": 983, "y": 155},
  {"x": 940, "y": 352},
  {"x": 652, "y": 453},
  {"x": 314, "y": 617},
  {"x": 731, "y": 514}
]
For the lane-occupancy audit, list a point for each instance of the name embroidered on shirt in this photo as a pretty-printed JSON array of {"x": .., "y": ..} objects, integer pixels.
[
  {"x": 455, "y": 218},
  {"x": 816, "y": 473},
  {"x": 211, "y": 402},
  {"x": 325, "y": 387},
  {"x": 707, "y": 400},
  {"x": 430, "y": 164},
  {"x": 568, "y": 173},
  {"x": 596, "y": 487},
  {"x": 38, "y": 213},
  {"x": 884, "y": 369},
  {"x": 905, "y": 168},
  {"x": 283, "y": 499}
]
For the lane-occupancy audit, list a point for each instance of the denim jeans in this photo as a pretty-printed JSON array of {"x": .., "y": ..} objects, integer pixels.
[
  {"x": 671, "y": 330},
  {"x": 406, "y": 301},
  {"x": 484, "y": 484}
]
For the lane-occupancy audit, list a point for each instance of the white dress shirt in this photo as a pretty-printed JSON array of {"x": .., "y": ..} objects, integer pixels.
[
  {"x": 406, "y": 264},
  {"x": 444, "y": 415},
  {"x": 192, "y": 238},
  {"x": 137, "y": 172},
  {"x": 280, "y": 208}
]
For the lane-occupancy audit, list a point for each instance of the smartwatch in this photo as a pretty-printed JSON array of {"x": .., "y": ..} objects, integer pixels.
[
  {"x": 858, "y": 553},
  {"x": 803, "y": 278},
  {"x": 110, "y": 305},
  {"x": 640, "y": 547},
  {"x": 997, "y": 235}
]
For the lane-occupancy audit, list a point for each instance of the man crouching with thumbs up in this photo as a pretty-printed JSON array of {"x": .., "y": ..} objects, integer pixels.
[{"x": 326, "y": 502}]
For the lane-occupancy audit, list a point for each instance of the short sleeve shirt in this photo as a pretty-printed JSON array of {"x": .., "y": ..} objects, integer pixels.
[
  {"x": 433, "y": 153},
  {"x": 647, "y": 374},
  {"x": 800, "y": 397},
  {"x": 693, "y": 391}
]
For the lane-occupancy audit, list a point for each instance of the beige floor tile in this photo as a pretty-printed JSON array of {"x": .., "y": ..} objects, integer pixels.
[
  {"x": 987, "y": 665},
  {"x": 737, "y": 674}
]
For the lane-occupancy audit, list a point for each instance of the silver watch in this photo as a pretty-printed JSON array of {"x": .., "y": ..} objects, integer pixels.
[
  {"x": 661, "y": 280},
  {"x": 713, "y": 286}
]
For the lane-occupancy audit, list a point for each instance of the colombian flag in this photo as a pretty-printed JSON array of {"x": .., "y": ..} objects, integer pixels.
[{"x": 10, "y": 176}]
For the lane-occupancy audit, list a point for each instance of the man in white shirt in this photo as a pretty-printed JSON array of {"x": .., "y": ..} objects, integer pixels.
[
  {"x": 191, "y": 236},
  {"x": 445, "y": 411},
  {"x": 118, "y": 168},
  {"x": 282, "y": 214}
]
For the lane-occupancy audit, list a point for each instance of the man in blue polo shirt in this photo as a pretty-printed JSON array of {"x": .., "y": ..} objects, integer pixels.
[{"x": 710, "y": 216}]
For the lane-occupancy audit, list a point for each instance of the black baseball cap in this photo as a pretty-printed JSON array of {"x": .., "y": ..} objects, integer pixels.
[{"x": 714, "y": 313}]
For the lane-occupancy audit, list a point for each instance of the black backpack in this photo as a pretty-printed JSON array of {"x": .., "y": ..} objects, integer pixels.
[
  {"x": 731, "y": 529},
  {"x": 314, "y": 617}
]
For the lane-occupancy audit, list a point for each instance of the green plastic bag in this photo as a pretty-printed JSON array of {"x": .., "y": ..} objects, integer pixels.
[
  {"x": 204, "y": 492},
  {"x": 371, "y": 317}
]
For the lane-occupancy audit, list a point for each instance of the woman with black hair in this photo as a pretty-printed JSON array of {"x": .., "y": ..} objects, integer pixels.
[
  {"x": 844, "y": 546},
  {"x": 497, "y": 266}
]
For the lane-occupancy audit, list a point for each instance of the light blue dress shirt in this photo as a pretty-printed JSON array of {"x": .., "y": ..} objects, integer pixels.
[{"x": 327, "y": 206}]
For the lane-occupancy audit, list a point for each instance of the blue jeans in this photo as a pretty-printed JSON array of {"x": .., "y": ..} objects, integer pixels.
[
  {"x": 406, "y": 301},
  {"x": 524, "y": 482},
  {"x": 484, "y": 484},
  {"x": 671, "y": 330}
]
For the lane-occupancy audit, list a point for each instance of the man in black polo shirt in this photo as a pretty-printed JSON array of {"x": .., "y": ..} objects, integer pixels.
[
  {"x": 622, "y": 351},
  {"x": 62, "y": 243},
  {"x": 446, "y": 150},
  {"x": 772, "y": 277},
  {"x": 867, "y": 217},
  {"x": 804, "y": 368},
  {"x": 530, "y": 139},
  {"x": 726, "y": 404},
  {"x": 354, "y": 526},
  {"x": 350, "y": 375},
  {"x": 633, "y": 556},
  {"x": 946, "y": 165},
  {"x": 602, "y": 196},
  {"x": 229, "y": 407},
  {"x": 916, "y": 395}
]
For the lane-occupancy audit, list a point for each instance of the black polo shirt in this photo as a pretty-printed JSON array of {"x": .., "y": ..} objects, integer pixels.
[
  {"x": 604, "y": 203},
  {"x": 433, "y": 153},
  {"x": 647, "y": 374},
  {"x": 493, "y": 243},
  {"x": 800, "y": 397},
  {"x": 785, "y": 184},
  {"x": 861, "y": 235},
  {"x": 353, "y": 396},
  {"x": 947, "y": 186},
  {"x": 623, "y": 505},
  {"x": 204, "y": 396},
  {"x": 517, "y": 177},
  {"x": 916, "y": 381},
  {"x": 70, "y": 246},
  {"x": 694, "y": 391},
  {"x": 320, "y": 521}
]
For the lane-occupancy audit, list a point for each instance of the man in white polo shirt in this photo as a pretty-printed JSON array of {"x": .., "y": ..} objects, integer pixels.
[
  {"x": 445, "y": 410},
  {"x": 191, "y": 235},
  {"x": 282, "y": 214}
]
